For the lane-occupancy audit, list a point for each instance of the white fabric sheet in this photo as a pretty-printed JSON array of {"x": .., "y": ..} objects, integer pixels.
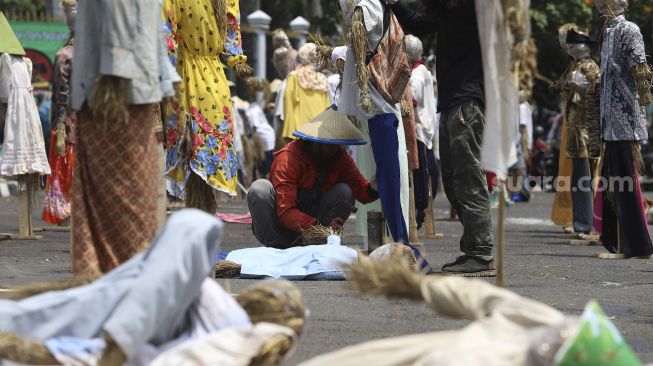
[
  {"x": 498, "y": 152},
  {"x": 313, "y": 262}
]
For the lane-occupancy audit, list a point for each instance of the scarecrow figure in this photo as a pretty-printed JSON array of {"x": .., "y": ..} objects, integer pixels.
[
  {"x": 57, "y": 204},
  {"x": 206, "y": 35},
  {"x": 626, "y": 81},
  {"x": 579, "y": 87},
  {"x": 24, "y": 158},
  {"x": 368, "y": 95}
]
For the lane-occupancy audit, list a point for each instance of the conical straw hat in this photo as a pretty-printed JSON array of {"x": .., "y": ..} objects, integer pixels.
[
  {"x": 330, "y": 127},
  {"x": 8, "y": 41}
]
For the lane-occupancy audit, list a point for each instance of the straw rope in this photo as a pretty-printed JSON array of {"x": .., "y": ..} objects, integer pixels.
[
  {"x": 394, "y": 279},
  {"x": 17, "y": 349},
  {"x": 278, "y": 302}
]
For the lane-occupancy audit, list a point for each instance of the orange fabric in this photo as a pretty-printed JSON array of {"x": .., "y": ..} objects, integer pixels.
[
  {"x": 561, "y": 213},
  {"x": 293, "y": 170}
]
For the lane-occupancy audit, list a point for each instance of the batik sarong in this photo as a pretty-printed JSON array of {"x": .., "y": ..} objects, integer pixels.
[{"x": 114, "y": 189}]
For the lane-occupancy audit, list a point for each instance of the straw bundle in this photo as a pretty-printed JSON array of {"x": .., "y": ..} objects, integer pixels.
[
  {"x": 360, "y": 46},
  {"x": 108, "y": 99},
  {"x": 200, "y": 195},
  {"x": 32, "y": 289},
  {"x": 273, "y": 351},
  {"x": 318, "y": 234},
  {"x": 643, "y": 83},
  {"x": 16, "y": 349},
  {"x": 278, "y": 302},
  {"x": 227, "y": 269},
  {"x": 243, "y": 70},
  {"x": 391, "y": 278}
]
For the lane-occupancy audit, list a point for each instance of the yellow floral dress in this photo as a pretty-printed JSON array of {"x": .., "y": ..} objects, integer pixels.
[{"x": 199, "y": 46}]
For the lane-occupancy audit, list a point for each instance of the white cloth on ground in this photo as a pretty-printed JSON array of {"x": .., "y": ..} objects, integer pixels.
[
  {"x": 261, "y": 126},
  {"x": 503, "y": 325},
  {"x": 214, "y": 310},
  {"x": 312, "y": 262},
  {"x": 145, "y": 300},
  {"x": 24, "y": 146},
  {"x": 229, "y": 347},
  {"x": 498, "y": 152},
  {"x": 421, "y": 82}
]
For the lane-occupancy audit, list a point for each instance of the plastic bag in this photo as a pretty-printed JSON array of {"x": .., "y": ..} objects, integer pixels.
[{"x": 57, "y": 204}]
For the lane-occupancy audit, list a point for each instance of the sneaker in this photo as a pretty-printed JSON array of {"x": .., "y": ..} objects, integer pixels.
[
  {"x": 470, "y": 265},
  {"x": 459, "y": 260}
]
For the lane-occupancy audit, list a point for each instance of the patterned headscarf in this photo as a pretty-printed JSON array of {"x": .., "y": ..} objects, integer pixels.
[{"x": 307, "y": 54}]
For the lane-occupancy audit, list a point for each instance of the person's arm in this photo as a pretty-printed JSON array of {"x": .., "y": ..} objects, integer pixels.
[
  {"x": 350, "y": 175},
  {"x": 418, "y": 24},
  {"x": 233, "y": 45},
  {"x": 285, "y": 179},
  {"x": 636, "y": 59}
]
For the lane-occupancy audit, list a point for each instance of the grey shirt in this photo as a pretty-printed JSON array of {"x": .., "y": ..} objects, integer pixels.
[
  {"x": 118, "y": 38},
  {"x": 622, "y": 117}
]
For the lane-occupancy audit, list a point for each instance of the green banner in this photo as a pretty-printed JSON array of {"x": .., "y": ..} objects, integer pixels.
[{"x": 44, "y": 37}]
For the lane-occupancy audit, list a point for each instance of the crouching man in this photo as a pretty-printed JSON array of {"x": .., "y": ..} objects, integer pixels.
[{"x": 313, "y": 181}]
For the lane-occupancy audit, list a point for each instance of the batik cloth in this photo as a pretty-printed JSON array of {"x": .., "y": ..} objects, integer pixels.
[
  {"x": 24, "y": 146},
  {"x": 114, "y": 193},
  {"x": 200, "y": 46},
  {"x": 622, "y": 118}
]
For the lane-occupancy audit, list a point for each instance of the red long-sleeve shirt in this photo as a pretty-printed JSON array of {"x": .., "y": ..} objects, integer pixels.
[{"x": 293, "y": 169}]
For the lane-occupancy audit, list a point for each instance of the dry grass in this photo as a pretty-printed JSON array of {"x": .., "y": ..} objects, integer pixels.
[{"x": 318, "y": 234}]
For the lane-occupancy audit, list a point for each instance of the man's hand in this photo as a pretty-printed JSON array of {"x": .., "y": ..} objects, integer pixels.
[{"x": 336, "y": 223}]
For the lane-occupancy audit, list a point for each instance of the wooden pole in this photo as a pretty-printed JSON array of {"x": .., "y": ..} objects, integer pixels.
[
  {"x": 413, "y": 236},
  {"x": 24, "y": 213},
  {"x": 501, "y": 237}
]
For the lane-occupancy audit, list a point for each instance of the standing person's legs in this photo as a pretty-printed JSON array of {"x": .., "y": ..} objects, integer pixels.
[
  {"x": 434, "y": 172},
  {"x": 262, "y": 204},
  {"x": 421, "y": 184},
  {"x": 465, "y": 132},
  {"x": 446, "y": 159},
  {"x": 628, "y": 204},
  {"x": 338, "y": 202},
  {"x": 581, "y": 195},
  {"x": 385, "y": 145}
]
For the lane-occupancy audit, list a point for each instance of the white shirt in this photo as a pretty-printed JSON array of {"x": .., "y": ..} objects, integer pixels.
[
  {"x": 349, "y": 102},
  {"x": 332, "y": 83},
  {"x": 259, "y": 122},
  {"x": 119, "y": 38},
  {"x": 526, "y": 119},
  {"x": 421, "y": 83}
]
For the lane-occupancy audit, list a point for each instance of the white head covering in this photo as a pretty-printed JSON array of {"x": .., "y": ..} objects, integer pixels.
[
  {"x": 339, "y": 53},
  {"x": 414, "y": 48}
]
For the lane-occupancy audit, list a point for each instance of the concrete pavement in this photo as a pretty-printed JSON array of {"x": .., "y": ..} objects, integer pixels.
[{"x": 540, "y": 265}]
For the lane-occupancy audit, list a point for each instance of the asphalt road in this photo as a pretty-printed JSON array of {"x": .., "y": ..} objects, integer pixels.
[{"x": 539, "y": 264}]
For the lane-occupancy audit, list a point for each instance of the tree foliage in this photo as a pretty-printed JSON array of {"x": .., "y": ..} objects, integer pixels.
[{"x": 30, "y": 6}]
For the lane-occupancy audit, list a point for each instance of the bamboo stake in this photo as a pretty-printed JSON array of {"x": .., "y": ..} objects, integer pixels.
[
  {"x": 413, "y": 236},
  {"x": 501, "y": 237}
]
